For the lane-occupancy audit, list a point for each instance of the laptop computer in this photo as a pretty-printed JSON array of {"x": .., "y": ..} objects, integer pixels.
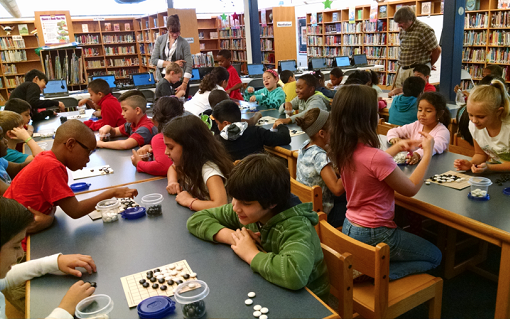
[
  {"x": 343, "y": 62},
  {"x": 143, "y": 80},
  {"x": 360, "y": 61},
  {"x": 290, "y": 65},
  {"x": 319, "y": 64},
  {"x": 204, "y": 71},
  {"x": 195, "y": 76},
  {"x": 255, "y": 70},
  {"x": 108, "y": 78},
  {"x": 56, "y": 88}
]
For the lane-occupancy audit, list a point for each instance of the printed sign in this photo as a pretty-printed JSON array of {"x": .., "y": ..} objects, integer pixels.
[
  {"x": 190, "y": 40},
  {"x": 284, "y": 24},
  {"x": 54, "y": 29}
]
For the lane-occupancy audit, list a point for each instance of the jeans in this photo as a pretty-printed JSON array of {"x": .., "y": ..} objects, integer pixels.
[{"x": 409, "y": 254}]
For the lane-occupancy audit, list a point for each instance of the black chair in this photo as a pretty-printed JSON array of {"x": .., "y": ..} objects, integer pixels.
[
  {"x": 149, "y": 95},
  {"x": 69, "y": 102},
  {"x": 257, "y": 84},
  {"x": 116, "y": 94}
]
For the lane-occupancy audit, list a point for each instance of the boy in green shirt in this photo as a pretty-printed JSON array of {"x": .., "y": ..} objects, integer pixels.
[{"x": 261, "y": 212}]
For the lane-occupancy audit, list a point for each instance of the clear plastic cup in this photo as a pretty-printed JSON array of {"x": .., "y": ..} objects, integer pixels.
[
  {"x": 109, "y": 209},
  {"x": 104, "y": 137},
  {"x": 96, "y": 306},
  {"x": 81, "y": 109},
  {"x": 480, "y": 187},
  {"x": 190, "y": 295},
  {"x": 43, "y": 145},
  {"x": 152, "y": 204}
]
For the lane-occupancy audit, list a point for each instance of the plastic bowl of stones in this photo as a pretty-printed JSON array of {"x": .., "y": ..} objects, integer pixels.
[
  {"x": 96, "y": 306},
  {"x": 104, "y": 137},
  {"x": 152, "y": 204},
  {"x": 400, "y": 158},
  {"x": 479, "y": 188},
  {"x": 43, "y": 145},
  {"x": 81, "y": 109},
  {"x": 156, "y": 307},
  {"x": 146, "y": 157},
  {"x": 109, "y": 209},
  {"x": 190, "y": 295},
  {"x": 46, "y": 133}
]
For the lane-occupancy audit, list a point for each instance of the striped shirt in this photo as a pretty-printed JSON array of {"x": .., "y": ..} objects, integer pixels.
[{"x": 416, "y": 44}]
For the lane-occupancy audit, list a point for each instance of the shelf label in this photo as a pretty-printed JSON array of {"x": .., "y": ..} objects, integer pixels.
[
  {"x": 17, "y": 37},
  {"x": 190, "y": 40},
  {"x": 280, "y": 24},
  {"x": 98, "y": 19}
]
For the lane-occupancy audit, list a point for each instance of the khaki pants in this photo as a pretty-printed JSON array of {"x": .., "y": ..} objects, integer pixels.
[
  {"x": 402, "y": 76},
  {"x": 16, "y": 295}
]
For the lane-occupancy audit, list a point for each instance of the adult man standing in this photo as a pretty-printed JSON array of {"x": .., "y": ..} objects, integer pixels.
[{"x": 418, "y": 45}]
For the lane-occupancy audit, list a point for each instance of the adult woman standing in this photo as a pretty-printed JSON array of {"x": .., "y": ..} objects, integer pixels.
[{"x": 171, "y": 47}]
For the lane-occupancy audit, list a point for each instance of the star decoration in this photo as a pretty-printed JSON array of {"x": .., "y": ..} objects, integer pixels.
[
  {"x": 224, "y": 16},
  {"x": 327, "y": 4},
  {"x": 235, "y": 16}
]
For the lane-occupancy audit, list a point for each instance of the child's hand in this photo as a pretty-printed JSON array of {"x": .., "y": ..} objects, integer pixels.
[
  {"x": 427, "y": 143},
  {"x": 408, "y": 145},
  {"x": 184, "y": 198},
  {"x": 82, "y": 101},
  {"x": 462, "y": 164},
  {"x": 329, "y": 85},
  {"x": 280, "y": 122},
  {"x": 180, "y": 93},
  {"x": 97, "y": 113},
  {"x": 250, "y": 89},
  {"x": 479, "y": 168},
  {"x": 244, "y": 245},
  {"x": 61, "y": 106},
  {"x": 253, "y": 99},
  {"x": 456, "y": 88},
  {"x": 395, "y": 140},
  {"x": 79, "y": 291},
  {"x": 41, "y": 221},
  {"x": 135, "y": 158},
  {"x": 104, "y": 130},
  {"x": 144, "y": 150},
  {"x": 255, "y": 236},
  {"x": 68, "y": 264},
  {"x": 123, "y": 192},
  {"x": 21, "y": 133},
  {"x": 173, "y": 188},
  {"x": 413, "y": 159}
]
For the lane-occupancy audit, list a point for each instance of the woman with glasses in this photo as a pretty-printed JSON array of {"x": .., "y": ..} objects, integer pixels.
[{"x": 171, "y": 47}]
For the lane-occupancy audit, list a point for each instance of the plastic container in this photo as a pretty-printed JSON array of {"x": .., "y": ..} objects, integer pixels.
[
  {"x": 401, "y": 158},
  {"x": 79, "y": 187},
  {"x": 109, "y": 209},
  {"x": 156, "y": 307},
  {"x": 152, "y": 204},
  {"x": 96, "y": 306},
  {"x": 146, "y": 157},
  {"x": 43, "y": 145},
  {"x": 46, "y": 133},
  {"x": 81, "y": 109},
  {"x": 105, "y": 137},
  {"x": 479, "y": 188},
  {"x": 190, "y": 295}
]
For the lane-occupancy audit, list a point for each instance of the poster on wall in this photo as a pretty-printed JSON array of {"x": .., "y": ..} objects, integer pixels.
[
  {"x": 373, "y": 12},
  {"x": 352, "y": 14},
  {"x": 263, "y": 20},
  {"x": 54, "y": 29},
  {"x": 302, "y": 34},
  {"x": 313, "y": 19}
]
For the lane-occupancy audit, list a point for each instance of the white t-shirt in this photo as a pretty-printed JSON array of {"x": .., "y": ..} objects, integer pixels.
[
  {"x": 209, "y": 170},
  {"x": 199, "y": 102},
  {"x": 497, "y": 147}
]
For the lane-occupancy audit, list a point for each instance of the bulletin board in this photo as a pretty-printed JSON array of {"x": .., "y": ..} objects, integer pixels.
[{"x": 54, "y": 27}]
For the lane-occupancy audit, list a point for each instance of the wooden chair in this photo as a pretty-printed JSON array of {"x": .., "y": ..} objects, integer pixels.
[
  {"x": 461, "y": 146},
  {"x": 383, "y": 127},
  {"x": 383, "y": 299},
  {"x": 307, "y": 194},
  {"x": 340, "y": 279}
]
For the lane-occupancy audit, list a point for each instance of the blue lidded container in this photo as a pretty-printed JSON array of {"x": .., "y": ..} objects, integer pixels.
[
  {"x": 133, "y": 213},
  {"x": 156, "y": 307},
  {"x": 79, "y": 187}
]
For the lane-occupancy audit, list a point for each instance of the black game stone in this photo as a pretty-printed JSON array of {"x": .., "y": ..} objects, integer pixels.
[
  {"x": 142, "y": 281},
  {"x": 163, "y": 287},
  {"x": 161, "y": 280},
  {"x": 153, "y": 279},
  {"x": 185, "y": 276},
  {"x": 170, "y": 282},
  {"x": 155, "y": 286},
  {"x": 145, "y": 285}
]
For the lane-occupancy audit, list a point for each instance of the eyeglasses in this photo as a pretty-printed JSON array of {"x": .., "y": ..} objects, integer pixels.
[{"x": 85, "y": 147}]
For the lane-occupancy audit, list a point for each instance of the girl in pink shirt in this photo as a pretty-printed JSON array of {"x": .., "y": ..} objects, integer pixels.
[
  {"x": 371, "y": 176},
  {"x": 433, "y": 118}
]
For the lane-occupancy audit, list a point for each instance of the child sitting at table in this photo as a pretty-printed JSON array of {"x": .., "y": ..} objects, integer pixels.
[
  {"x": 12, "y": 124},
  {"x": 8, "y": 170},
  {"x": 101, "y": 99},
  {"x": 319, "y": 77},
  {"x": 14, "y": 221},
  {"x": 422, "y": 71},
  {"x": 239, "y": 138},
  {"x": 234, "y": 81},
  {"x": 271, "y": 96},
  {"x": 173, "y": 74},
  {"x": 488, "y": 107},
  {"x": 289, "y": 84},
  {"x": 314, "y": 166},
  {"x": 433, "y": 118},
  {"x": 261, "y": 212},
  {"x": 22, "y": 108},
  {"x": 404, "y": 107},
  {"x": 217, "y": 79},
  {"x": 138, "y": 127},
  {"x": 307, "y": 98},
  {"x": 336, "y": 75},
  {"x": 201, "y": 164},
  {"x": 165, "y": 109},
  {"x": 42, "y": 185},
  {"x": 371, "y": 177}
]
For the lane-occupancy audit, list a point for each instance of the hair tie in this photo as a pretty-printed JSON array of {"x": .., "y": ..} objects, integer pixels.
[
  {"x": 318, "y": 124},
  {"x": 273, "y": 72}
]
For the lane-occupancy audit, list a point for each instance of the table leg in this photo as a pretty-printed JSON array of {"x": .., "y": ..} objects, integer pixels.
[{"x": 503, "y": 296}]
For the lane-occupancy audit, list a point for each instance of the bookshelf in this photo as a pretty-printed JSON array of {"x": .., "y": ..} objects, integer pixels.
[
  {"x": 278, "y": 42},
  {"x": 232, "y": 37},
  {"x": 147, "y": 29},
  {"x": 334, "y": 35},
  {"x": 267, "y": 40},
  {"x": 66, "y": 64},
  {"x": 17, "y": 56}
]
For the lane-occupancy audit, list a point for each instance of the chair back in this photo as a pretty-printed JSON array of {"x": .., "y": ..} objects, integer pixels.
[
  {"x": 149, "y": 95},
  {"x": 69, "y": 101},
  {"x": 257, "y": 84},
  {"x": 383, "y": 127},
  {"x": 307, "y": 194},
  {"x": 461, "y": 146}
]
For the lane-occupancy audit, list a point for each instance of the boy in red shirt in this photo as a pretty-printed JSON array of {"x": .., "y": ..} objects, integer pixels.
[
  {"x": 42, "y": 185},
  {"x": 423, "y": 71},
  {"x": 101, "y": 98},
  {"x": 234, "y": 81},
  {"x": 138, "y": 127}
]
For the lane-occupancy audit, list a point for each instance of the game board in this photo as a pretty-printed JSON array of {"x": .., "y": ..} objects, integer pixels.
[
  {"x": 247, "y": 106},
  {"x": 92, "y": 171},
  {"x": 456, "y": 185},
  {"x": 95, "y": 215},
  {"x": 266, "y": 120},
  {"x": 135, "y": 292},
  {"x": 78, "y": 117},
  {"x": 295, "y": 133}
]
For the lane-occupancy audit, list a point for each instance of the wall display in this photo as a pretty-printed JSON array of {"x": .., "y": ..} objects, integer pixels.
[
  {"x": 302, "y": 34},
  {"x": 54, "y": 28}
]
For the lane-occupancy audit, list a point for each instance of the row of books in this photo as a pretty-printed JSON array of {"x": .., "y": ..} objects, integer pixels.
[
  {"x": 313, "y": 30},
  {"x": 88, "y": 39},
  {"x": 150, "y": 48},
  {"x": 473, "y": 55},
  {"x": 333, "y": 40},
  {"x": 334, "y": 28},
  {"x": 116, "y": 27},
  {"x": 375, "y": 52},
  {"x": 225, "y": 34},
  {"x": 267, "y": 44},
  {"x": 476, "y": 70},
  {"x": 239, "y": 33},
  {"x": 394, "y": 39},
  {"x": 500, "y": 19},
  {"x": 14, "y": 81},
  {"x": 145, "y": 61},
  {"x": 476, "y": 20},
  {"x": 212, "y": 35},
  {"x": 475, "y": 37},
  {"x": 126, "y": 38},
  {"x": 141, "y": 46},
  {"x": 375, "y": 39},
  {"x": 351, "y": 50},
  {"x": 314, "y": 51},
  {"x": 9, "y": 43},
  {"x": 91, "y": 51},
  {"x": 466, "y": 85},
  {"x": 268, "y": 57},
  {"x": 123, "y": 62},
  {"x": 392, "y": 53},
  {"x": 390, "y": 78},
  {"x": 225, "y": 44},
  {"x": 499, "y": 38},
  {"x": 352, "y": 39},
  {"x": 498, "y": 55},
  {"x": 392, "y": 66},
  {"x": 332, "y": 51},
  {"x": 239, "y": 56},
  {"x": 266, "y": 31},
  {"x": 203, "y": 59},
  {"x": 120, "y": 50},
  {"x": 91, "y": 64},
  {"x": 376, "y": 61},
  {"x": 314, "y": 40},
  {"x": 122, "y": 73},
  {"x": 382, "y": 79},
  {"x": 352, "y": 27},
  {"x": 9, "y": 68},
  {"x": 393, "y": 26},
  {"x": 13, "y": 56},
  {"x": 239, "y": 44}
]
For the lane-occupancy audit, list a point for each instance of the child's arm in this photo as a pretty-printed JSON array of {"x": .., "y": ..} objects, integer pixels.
[
  {"x": 3, "y": 187},
  {"x": 273, "y": 101},
  {"x": 396, "y": 134},
  {"x": 30, "y": 129},
  {"x": 235, "y": 87},
  {"x": 214, "y": 224},
  {"x": 90, "y": 104},
  {"x": 280, "y": 137},
  {"x": 217, "y": 195},
  {"x": 14, "y": 168},
  {"x": 441, "y": 141},
  {"x": 332, "y": 181},
  {"x": 161, "y": 163},
  {"x": 23, "y": 135},
  {"x": 173, "y": 186},
  {"x": 119, "y": 145},
  {"x": 479, "y": 158},
  {"x": 77, "y": 209},
  {"x": 114, "y": 131}
]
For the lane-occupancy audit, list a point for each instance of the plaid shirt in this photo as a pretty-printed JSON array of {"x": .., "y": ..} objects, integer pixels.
[{"x": 416, "y": 44}]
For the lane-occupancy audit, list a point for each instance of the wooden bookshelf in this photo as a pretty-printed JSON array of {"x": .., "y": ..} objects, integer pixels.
[
  {"x": 65, "y": 64},
  {"x": 147, "y": 29},
  {"x": 232, "y": 37},
  {"x": 267, "y": 40}
]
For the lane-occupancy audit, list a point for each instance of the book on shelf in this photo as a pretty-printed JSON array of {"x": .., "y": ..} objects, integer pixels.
[
  {"x": 23, "y": 29},
  {"x": 472, "y": 5},
  {"x": 503, "y": 4},
  {"x": 108, "y": 26},
  {"x": 116, "y": 27},
  {"x": 426, "y": 8},
  {"x": 335, "y": 17},
  {"x": 127, "y": 27},
  {"x": 85, "y": 27},
  {"x": 383, "y": 12},
  {"x": 360, "y": 14},
  {"x": 213, "y": 35}
]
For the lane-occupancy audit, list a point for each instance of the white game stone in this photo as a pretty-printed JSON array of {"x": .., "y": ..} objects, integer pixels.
[
  {"x": 160, "y": 277},
  {"x": 257, "y": 314},
  {"x": 257, "y": 307},
  {"x": 172, "y": 266},
  {"x": 263, "y": 317},
  {"x": 168, "y": 278},
  {"x": 248, "y": 302},
  {"x": 193, "y": 274},
  {"x": 264, "y": 310},
  {"x": 157, "y": 274},
  {"x": 178, "y": 268},
  {"x": 427, "y": 183},
  {"x": 173, "y": 273},
  {"x": 191, "y": 285},
  {"x": 251, "y": 294}
]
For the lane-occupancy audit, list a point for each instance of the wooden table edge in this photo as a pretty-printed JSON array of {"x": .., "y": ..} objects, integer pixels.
[{"x": 333, "y": 315}]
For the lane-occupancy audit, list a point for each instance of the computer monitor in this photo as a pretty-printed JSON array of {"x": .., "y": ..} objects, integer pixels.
[
  {"x": 319, "y": 63},
  {"x": 108, "y": 78},
  {"x": 204, "y": 71},
  {"x": 237, "y": 66},
  {"x": 290, "y": 65},
  {"x": 255, "y": 69},
  {"x": 360, "y": 59},
  {"x": 143, "y": 80},
  {"x": 195, "y": 75},
  {"x": 342, "y": 61},
  {"x": 56, "y": 87}
]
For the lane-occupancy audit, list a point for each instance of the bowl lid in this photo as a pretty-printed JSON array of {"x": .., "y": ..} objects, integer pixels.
[
  {"x": 156, "y": 307},
  {"x": 79, "y": 187},
  {"x": 133, "y": 213},
  {"x": 195, "y": 290},
  {"x": 506, "y": 191}
]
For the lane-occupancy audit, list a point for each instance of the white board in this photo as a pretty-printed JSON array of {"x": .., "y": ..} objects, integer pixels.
[{"x": 436, "y": 23}]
